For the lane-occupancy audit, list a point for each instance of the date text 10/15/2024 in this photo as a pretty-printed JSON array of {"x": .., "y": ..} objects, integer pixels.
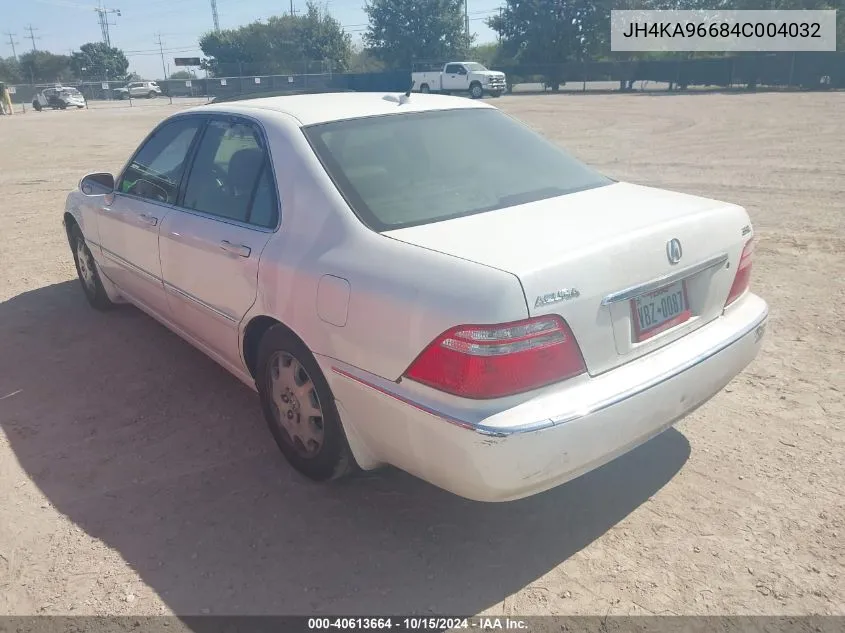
[{"x": 417, "y": 624}]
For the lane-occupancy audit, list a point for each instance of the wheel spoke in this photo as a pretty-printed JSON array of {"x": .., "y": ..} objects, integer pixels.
[
  {"x": 310, "y": 407},
  {"x": 296, "y": 405}
]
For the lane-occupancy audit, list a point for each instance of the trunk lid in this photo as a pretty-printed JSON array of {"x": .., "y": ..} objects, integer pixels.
[{"x": 588, "y": 256}]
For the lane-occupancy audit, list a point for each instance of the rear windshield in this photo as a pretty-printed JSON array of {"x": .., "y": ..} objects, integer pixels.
[{"x": 405, "y": 170}]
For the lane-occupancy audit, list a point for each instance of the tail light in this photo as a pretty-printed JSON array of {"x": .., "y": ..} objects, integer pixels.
[
  {"x": 492, "y": 361},
  {"x": 743, "y": 274}
]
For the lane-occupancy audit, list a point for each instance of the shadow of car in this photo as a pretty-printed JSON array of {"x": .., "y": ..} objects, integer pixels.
[{"x": 152, "y": 448}]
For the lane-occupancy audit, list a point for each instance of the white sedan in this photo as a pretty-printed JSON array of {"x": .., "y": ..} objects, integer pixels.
[{"x": 425, "y": 282}]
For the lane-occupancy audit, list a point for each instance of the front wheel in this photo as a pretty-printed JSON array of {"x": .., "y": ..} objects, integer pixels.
[
  {"x": 36, "y": 106},
  {"x": 86, "y": 269},
  {"x": 299, "y": 407},
  {"x": 476, "y": 91}
]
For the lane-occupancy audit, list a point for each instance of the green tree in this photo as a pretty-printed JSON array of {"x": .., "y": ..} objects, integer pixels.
[
  {"x": 547, "y": 33},
  {"x": 96, "y": 60},
  {"x": 182, "y": 74},
  {"x": 10, "y": 70},
  {"x": 402, "y": 31},
  {"x": 488, "y": 54},
  {"x": 45, "y": 67},
  {"x": 363, "y": 61},
  {"x": 280, "y": 45}
]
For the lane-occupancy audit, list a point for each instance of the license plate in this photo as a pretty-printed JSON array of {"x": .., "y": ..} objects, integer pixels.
[{"x": 659, "y": 310}]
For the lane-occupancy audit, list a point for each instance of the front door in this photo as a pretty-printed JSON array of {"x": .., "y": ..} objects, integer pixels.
[
  {"x": 211, "y": 246},
  {"x": 130, "y": 219},
  {"x": 455, "y": 77}
]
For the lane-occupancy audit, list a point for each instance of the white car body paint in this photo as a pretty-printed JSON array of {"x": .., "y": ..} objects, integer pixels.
[{"x": 366, "y": 304}]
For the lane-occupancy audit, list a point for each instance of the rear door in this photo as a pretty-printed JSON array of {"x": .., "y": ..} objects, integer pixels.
[
  {"x": 130, "y": 219},
  {"x": 211, "y": 245}
]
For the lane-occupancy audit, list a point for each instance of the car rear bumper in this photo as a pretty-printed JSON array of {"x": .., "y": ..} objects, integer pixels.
[{"x": 554, "y": 436}]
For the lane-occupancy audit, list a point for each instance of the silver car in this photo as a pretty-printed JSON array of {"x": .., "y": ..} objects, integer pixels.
[
  {"x": 138, "y": 89},
  {"x": 398, "y": 290}
]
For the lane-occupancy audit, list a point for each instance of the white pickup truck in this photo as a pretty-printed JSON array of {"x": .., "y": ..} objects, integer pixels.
[{"x": 469, "y": 77}]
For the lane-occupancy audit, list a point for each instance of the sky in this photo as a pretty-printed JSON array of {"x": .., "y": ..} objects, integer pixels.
[{"x": 61, "y": 26}]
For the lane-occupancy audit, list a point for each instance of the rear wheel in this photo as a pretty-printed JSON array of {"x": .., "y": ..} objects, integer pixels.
[
  {"x": 87, "y": 271},
  {"x": 425, "y": 89},
  {"x": 36, "y": 106},
  {"x": 152, "y": 94},
  {"x": 476, "y": 91},
  {"x": 299, "y": 407}
]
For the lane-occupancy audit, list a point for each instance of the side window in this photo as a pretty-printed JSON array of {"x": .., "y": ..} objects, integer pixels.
[
  {"x": 462, "y": 70},
  {"x": 156, "y": 170},
  {"x": 452, "y": 69},
  {"x": 231, "y": 176}
]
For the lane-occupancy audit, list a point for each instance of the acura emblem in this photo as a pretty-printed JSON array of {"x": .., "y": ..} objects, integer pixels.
[{"x": 674, "y": 251}]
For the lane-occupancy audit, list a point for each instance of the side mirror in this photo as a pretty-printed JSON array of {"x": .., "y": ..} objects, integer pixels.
[{"x": 98, "y": 184}]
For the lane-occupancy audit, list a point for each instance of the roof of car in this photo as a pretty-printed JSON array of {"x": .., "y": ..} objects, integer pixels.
[{"x": 311, "y": 109}]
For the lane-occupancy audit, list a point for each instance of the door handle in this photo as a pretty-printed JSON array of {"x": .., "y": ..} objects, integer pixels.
[
  {"x": 240, "y": 250},
  {"x": 148, "y": 219}
]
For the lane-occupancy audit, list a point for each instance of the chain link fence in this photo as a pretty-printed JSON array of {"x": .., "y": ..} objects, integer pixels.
[{"x": 813, "y": 71}]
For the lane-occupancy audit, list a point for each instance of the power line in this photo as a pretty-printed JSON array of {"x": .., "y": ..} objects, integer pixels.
[
  {"x": 12, "y": 43},
  {"x": 214, "y": 15},
  {"x": 32, "y": 35}
]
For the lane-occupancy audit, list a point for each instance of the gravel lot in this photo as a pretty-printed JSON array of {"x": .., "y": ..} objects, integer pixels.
[{"x": 137, "y": 477}]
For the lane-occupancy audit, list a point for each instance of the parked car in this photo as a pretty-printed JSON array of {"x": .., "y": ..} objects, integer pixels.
[
  {"x": 470, "y": 77},
  {"x": 58, "y": 98},
  {"x": 137, "y": 90},
  {"x": 399, "y": 290}
]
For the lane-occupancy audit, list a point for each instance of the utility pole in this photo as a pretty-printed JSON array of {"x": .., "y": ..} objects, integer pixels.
[
  {"x": 103, "y": 15},
  {"x": 32, "y": 36},
  {"x": 12, "y": 43},
  {"x": 501, "y": 9},
  {"x": 292, "y": 9},
  {"x": 214, "y": 15},
  {"x": 466, "y": 21},
  {"x": 161, "y": 50}
]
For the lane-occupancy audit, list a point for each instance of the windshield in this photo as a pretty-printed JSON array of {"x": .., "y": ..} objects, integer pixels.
[
  {"x": 405, "y": 170},
  {"x": 474, "y": 67}
]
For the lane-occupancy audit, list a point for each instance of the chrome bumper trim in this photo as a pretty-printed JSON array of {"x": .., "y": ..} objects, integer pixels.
[{"x": 665, "y": 280}]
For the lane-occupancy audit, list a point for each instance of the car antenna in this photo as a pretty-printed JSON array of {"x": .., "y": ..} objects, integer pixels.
[
  {"x": 403, "y": 98},
  {"x": 407, "y": 96}
]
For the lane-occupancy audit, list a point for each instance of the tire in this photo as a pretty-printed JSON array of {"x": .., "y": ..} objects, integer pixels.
[
  {"x": 86, "y": 269},
  {"x": 37, "y": 106},
  {"x": 321, "y": 452},
  {"x": 476, "y": 91},
  {"x": 152, "y": 94},
  {"x": 496, "y": 94},
  {"x": 63, "y": 106},
  {"x": 425, "y": 89}
]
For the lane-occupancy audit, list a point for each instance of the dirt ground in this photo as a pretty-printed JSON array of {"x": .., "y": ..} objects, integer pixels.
[{"x": 137, "y": 477}]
